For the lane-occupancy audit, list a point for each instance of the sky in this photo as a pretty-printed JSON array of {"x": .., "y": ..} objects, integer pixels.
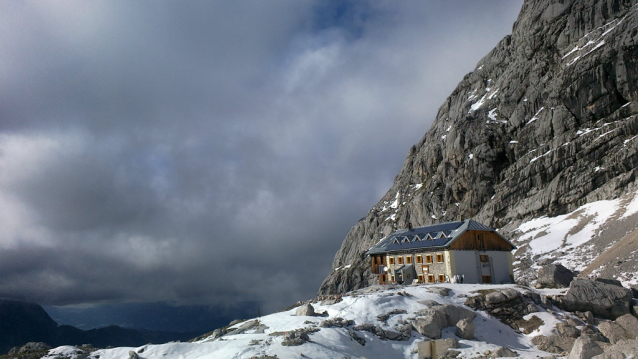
[{"x": 211, "y": 152}]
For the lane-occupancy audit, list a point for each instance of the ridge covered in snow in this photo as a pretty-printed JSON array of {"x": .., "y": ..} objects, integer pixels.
[{"x": 382, "y": 306}]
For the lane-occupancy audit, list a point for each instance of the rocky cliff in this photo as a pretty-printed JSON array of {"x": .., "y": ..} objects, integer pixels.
[{"x": 547, "y": 122}]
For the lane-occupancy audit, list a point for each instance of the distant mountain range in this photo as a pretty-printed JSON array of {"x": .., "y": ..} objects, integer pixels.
[{"x": 27, "y": 322}]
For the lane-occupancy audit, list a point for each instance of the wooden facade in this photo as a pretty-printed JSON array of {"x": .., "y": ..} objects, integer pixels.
[{"x": 481, "y": 241}]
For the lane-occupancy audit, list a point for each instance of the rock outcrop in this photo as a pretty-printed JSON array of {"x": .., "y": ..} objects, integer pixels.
[
  {"x": 554, "y": 276},
  {"x": 546, "y": 122},
  {"x": 603, "y": 300}
]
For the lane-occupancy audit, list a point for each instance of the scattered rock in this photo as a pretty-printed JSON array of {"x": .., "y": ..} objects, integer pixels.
[
  {"x": 297, "y": 337},
  {"x": 305, "y": 310},
  {"x": 385, "y": 334},
  {"x": 584, "y": 348},
  {"x": 554, "y": 276},
  {"x": 336, "y": 322},
  {"x": 602, "y": 299},
  {"x": 384, "y": 317}
]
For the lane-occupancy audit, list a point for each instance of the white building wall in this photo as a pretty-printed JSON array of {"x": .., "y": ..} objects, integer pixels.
[
  {"x": 502, "y": 263},
  {"x": 467, "y": 263}
]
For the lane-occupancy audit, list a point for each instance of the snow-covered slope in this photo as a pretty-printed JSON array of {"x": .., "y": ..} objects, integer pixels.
[
  {"x": 581, "y": 239},
  {"x": 264, "y": 340}
]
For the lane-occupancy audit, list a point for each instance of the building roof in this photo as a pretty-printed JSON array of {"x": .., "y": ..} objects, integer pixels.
[{"x": 435, "y": 236}]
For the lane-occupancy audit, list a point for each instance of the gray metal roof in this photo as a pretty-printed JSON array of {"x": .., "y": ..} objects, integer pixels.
[{"x": 437, "y": 235}]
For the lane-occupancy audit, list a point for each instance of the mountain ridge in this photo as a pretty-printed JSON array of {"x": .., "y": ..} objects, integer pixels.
[
  {"x": 22, "y": 322},
  {"x": 545, "y": 124}
]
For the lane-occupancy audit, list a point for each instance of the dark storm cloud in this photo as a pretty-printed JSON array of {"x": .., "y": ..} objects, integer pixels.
[{"x": 210, "y": 152}]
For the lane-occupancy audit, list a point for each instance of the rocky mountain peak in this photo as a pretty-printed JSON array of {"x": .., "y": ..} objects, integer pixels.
[{"x": 545, "y": 123}]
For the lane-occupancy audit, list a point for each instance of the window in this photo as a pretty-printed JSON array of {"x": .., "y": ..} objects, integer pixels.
[
  {"x": 391, "y": 260},
  {"x": 419, "y": 259},
  {"x": 430, "y": 278},
  {"x": 408, "y": 276},
  {"x": 408, "y": 260},
  {"x": 487, "y": 279},
  {"x": 441, "y": 277},
  {"x": 400, "y": 260},
  {"x": 391, "y": 278},
  {"x": 428, "y": 258},
  {"x": 426, "y": 269},
  {"x": 484, "y": 258},
  {"x": 421, "y": 278},
  {"x": 439, "y": 257}
]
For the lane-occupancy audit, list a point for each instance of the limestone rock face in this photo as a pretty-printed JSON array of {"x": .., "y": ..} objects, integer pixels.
[{"x": 545, "y": 123}]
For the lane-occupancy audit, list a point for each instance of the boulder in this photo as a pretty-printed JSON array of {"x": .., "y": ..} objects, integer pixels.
[
  {"x": 567, "y": 330},
  {"x": 554, "y": 276},
  {"x": 465, "y": 329},
  {"x": 503, "y": 352},
  {"x": 305, "y": 310},
  {"x": 454, "y": 314},
  {"x": 584, "y": 348},
  {"x": 556, "y": 344},
  {"x": 501, "y": 296},
  {"x": 602, "y": 299},
  {"x": 442, "y": 291},
  {"x": 630, "y": 324},
  {"x": 495, "y": 297},
  {"x": 627, "y": 348},
  {"x": 133, "y": 355},
  {"x": 612, "y": 331},
  {"x": 430, "y": 323}
]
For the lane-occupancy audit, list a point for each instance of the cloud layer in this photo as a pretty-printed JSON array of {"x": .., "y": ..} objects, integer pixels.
[{"x": 210, "y": 152}]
